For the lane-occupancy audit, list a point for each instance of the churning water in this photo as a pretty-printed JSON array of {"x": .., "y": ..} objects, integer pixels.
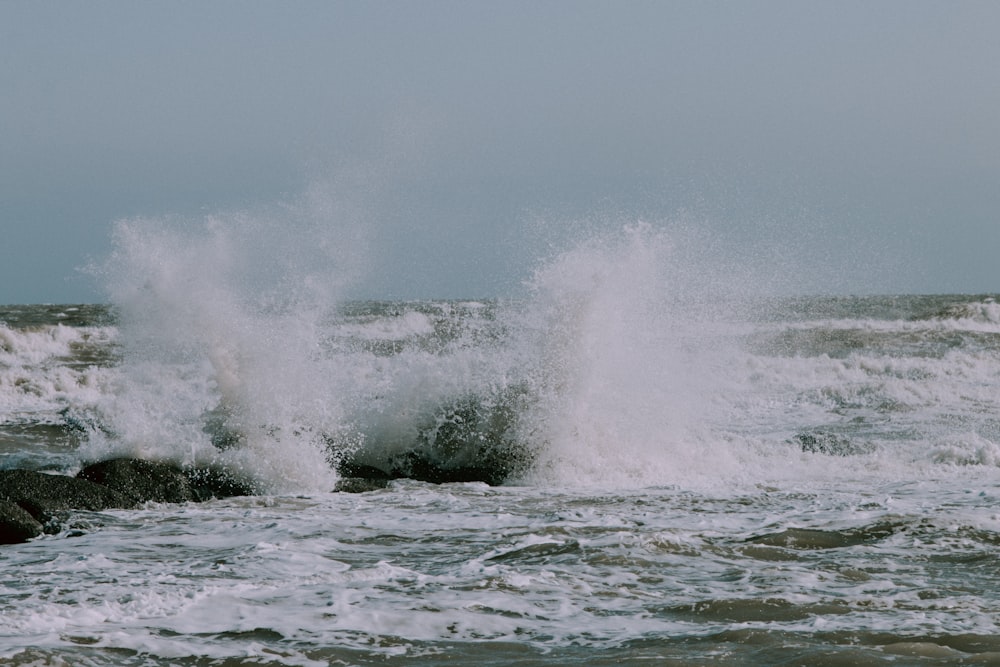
[{"x": 683, "y": 471}]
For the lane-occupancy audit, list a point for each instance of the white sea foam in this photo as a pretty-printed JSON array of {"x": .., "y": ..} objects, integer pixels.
[
  {"x": 625, "y": 360},
  {"x": 39, "y": 375},
  {"x": 633, "y": 358},
  {"x": 401, "y": 327},
  {"x": 708, "y": 480},
  {"x": 33, "y": 346},
  {"x": 224, "y": 315},
  {"x": 545, "y": 569}
]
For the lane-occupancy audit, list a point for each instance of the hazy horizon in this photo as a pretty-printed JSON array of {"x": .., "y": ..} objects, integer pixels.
[{"x": 851, "y": 147}]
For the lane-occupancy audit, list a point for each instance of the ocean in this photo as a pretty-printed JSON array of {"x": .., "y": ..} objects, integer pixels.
[{"x": 682, "y": 472}]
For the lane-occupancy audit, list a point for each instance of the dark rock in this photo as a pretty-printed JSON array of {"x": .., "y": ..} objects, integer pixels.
[
  {"x": 360, "y": 484},
  {"x": 210, "y": 482},
  {"x": 469, "y": 439},
  {"x": 33, "y": 502},
  {"x": 348, "y": 468},
  {"x": 165, "y": 483},
  {"x": 46, "y": 499},
  {"x": 420, "y": 465},
  {"x": 43, "y": 496},
  {"x": 415, "y": 465},
  {"x": 16, "y": 525},
  {"x": 140, "y": 480}
]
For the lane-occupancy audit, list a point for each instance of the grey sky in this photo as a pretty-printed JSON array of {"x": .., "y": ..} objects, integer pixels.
[{"x": 862, "y": 136}]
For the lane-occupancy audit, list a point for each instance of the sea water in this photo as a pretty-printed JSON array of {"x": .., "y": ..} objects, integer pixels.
[{"x": 694, "y": 473}]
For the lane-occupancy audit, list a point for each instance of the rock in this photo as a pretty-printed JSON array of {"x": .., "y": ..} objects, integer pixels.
[
  {"x": 208, "y": 483},
  {"x": 33, "y": 502},
  {"x": 360, "y": 484},
  {"x": 354, "y": 470},
  {"x": 140, "y": 480},
  {"x": 16, "y": 525},
  {"x": 218, "y": 427},
  {"x": 43, "y": 496},
  {"x": 45, "y": 499},
  {"x": 470, "y": 438},
  {"x": 416, "y": 465},
  {"x": 160, "y": 482},
  {"x": 419, "y": 466}
]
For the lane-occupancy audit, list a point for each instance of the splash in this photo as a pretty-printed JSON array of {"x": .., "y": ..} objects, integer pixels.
[
  {"x": 608, "y": 370},
  {"x": 627, "y": 354},
  {"x": 221, "y": 322},
  {"x": 239, "y": 348}
]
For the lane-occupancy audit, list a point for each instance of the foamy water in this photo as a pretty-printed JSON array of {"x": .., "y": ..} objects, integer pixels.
[{"x": 696, "y": 473}]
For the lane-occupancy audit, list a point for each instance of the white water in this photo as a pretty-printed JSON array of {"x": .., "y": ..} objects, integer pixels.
[
  {"x": 674, "y": 509},
  {"x": 621, "y": 350},
  {"x": 228, "y": 316},
  {"x": 632, "y": 359}
]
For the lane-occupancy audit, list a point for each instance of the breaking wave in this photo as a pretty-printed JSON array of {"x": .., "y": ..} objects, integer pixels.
[{"x": 631, "y": 357}]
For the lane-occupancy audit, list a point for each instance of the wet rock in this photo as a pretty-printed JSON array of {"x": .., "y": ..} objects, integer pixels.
[
  {"x": 353, "y": 470},
  {"x": 419, "y": 466},
  {"x": 415, "y": 465},
  {"x": 208, "y": 483},
  {"x": 33, "y": 502},
  {"x": 16, "y": 525},
  {"x": 468, "y": 439},
  {"x": 218, "y": 426},
  {"x": 160, "y": 482},
  {"x": 360, "y": 484},
  {"x": 46, "y": 499},
  {"x": 142, "y": 481},
  {"x": 43, "y": 495}
]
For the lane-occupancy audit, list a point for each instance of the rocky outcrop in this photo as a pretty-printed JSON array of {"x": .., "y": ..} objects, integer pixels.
[
  {"x": 469, "y": 439},
  {"x": 16, "y": 525},
  {"x": 33, "y": 502},
  {"x": 360, "y": 484},
  {"x": 209, "y": 483},
  {"x": 154, "y": 481},
  {"x": 140, "y": 480},
  {"x": 43, "y": 495},
  {"x": 420, "y": 466}
]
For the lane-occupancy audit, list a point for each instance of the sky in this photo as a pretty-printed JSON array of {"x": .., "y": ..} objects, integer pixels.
[{"x": 858, "y": 140}]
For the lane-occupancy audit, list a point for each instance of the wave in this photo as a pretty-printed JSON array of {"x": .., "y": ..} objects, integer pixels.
[
  {"x": 604, "y": 368},
  {"x": 47, "y": 368},
  {"x": 631, "y": 357},
  {"x": 59, "y": 343},
  {"x": 985, "y": 311}
]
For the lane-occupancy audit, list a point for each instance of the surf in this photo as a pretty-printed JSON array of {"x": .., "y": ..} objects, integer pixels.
[{"x": 636, "y": 354}]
